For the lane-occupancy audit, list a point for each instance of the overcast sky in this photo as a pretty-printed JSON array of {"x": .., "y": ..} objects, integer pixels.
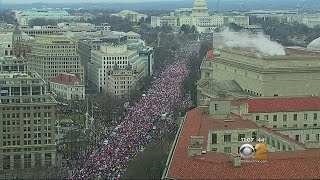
[{"x": 73, "y": 1}]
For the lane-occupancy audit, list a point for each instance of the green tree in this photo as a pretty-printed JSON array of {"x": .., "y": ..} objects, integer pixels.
[{"x": 185, "y": 28}]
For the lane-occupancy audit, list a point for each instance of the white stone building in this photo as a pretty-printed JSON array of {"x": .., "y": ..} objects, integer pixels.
[
  {"x": 133, "y": 16},
  {"x": 68, "y": 86},
  {"x": 103, "y": 60},
  {"x": 199, "y": 17}
]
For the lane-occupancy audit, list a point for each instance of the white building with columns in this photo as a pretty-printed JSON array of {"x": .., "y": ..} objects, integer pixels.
[{"x": 199, "y": 17}]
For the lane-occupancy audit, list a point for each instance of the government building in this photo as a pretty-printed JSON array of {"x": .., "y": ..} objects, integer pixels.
[
  {"x": 249, "y": 73},
  {"x": 27, "y": 112},
  {"x": 199, "y": 17}
]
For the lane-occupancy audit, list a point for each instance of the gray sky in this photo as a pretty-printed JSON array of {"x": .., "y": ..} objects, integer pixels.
[{"x": 72, "y": 1}]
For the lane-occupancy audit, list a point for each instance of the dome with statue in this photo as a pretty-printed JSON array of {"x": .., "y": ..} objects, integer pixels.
[{"x": 314, "y": 45}]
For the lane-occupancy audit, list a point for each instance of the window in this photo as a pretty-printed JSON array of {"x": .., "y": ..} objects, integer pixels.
[
  {"x": 284, "y": 126},
  {"x": 317, "y": 137},
  {"x": 305, "y": 125},
  {"x": 215, "y": 107},
  {"x": 274, "y": 126},
  {"x": 315, "y": 124},
  {"x": 240, "y": 136},
  {"x": 315, "y": 116},
  {"x": 214, "y": 139},
  {"x": 305, "y": 117},
  {"x": 227, "y": 138},
  {"x": 278, "y": 145},
  {"x": 285, "y": 117},
  {"x": 257, "y": 118},
  {"x": 214, "y": 149},
  {"x": 254, "y": 136},
  {"x": 227, "y": 149},
  {"x": 297, "y": 138},
  {"x": 275, "y": 117},
  {"x": 284, "y": 147},
  {"x": 295, "y": 117},
  {"x": 273, "y": 143},
  {"x": 307, "y": 137},
  {"x": 266, "y": 117}
]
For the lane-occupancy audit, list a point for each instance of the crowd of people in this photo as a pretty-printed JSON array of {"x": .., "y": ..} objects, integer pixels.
[{"x": 109, "y": 160}]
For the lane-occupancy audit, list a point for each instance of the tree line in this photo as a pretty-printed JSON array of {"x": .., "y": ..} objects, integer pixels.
[{"x": 288, "y": 34}]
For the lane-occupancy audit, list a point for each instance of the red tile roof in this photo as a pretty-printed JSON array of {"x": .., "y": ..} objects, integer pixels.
[
  {"x": 279, "y": 165},
  {"x": 286, "y": 137},
  {"x": 283, "y": 104},
  {"x": 210, "y": 55},
  {"x": 67, "y": 79}
]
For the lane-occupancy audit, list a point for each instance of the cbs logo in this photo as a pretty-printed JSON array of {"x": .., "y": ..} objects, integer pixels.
[{"x": 247, "y": 151}]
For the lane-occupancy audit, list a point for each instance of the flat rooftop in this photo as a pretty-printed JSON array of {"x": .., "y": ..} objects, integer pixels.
[{"x": 291, "y": 52}]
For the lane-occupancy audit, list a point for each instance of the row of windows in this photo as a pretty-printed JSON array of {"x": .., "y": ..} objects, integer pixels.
[
  {"x": 227, "y": 137},
  {"x": 115, "y": 58},
  {"x": 294, "y": 125},
  {"x": 25, "y": 115},
  {"x": 285, "y": 117}
]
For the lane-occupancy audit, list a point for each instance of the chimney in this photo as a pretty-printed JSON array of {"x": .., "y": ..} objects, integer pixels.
[
  {"x": 204, "y": 109},
  {"x": 194, "y": 151},
  {"x": 196, "y": 140},
  {"x": 236, "y": 160}
]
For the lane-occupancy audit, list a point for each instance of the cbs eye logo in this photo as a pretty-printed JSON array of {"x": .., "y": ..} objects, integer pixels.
[{"x": 247, "y": 151}]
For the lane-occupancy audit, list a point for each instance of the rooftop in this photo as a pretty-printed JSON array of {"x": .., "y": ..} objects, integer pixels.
[
  {"x": 283, "y": 104},
  {"x": 212, "y": 165},
  {"x": 67, "y": 79}
]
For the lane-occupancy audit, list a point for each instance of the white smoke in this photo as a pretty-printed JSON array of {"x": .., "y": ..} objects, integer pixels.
[{"x": 258, "y": 41}]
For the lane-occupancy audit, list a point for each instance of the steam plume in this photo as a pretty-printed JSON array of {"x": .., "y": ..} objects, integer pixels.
[{"x": 257, "y": 41}]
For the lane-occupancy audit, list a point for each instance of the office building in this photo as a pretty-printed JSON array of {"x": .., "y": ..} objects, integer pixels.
[
  {"x": 121, "y": 81},
  {"x": 53, "y": 55},
  {"x": 13, "y": 64},
  {"x": 103, "y": 60},
  {"x": 27, "y": 128}
]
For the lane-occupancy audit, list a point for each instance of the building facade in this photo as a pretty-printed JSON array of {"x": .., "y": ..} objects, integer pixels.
[
  {"x": 296, "y": 117},
  {"x": 293, "y": 74},
  {"x": 53, "y": 55},
  {"x": 199, "y": 17},
  {"x": 28, "y": 122},
  {"x": 24, "y": 17},
  {"x": 103, "y": 60},
  {"x": 121, "y": 81},
  {"x": 68, "y": 86},
  {"x": 210, "y": 139},
  {"x": 133, "y": 16},
  {"x": 13, "y": 64}
]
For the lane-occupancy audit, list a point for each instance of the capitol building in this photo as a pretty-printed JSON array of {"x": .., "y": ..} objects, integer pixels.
[{"x": 199, "y": 17}]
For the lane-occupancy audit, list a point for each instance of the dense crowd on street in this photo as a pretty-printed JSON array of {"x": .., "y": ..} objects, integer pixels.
[{"x": 109, "y": 159}]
